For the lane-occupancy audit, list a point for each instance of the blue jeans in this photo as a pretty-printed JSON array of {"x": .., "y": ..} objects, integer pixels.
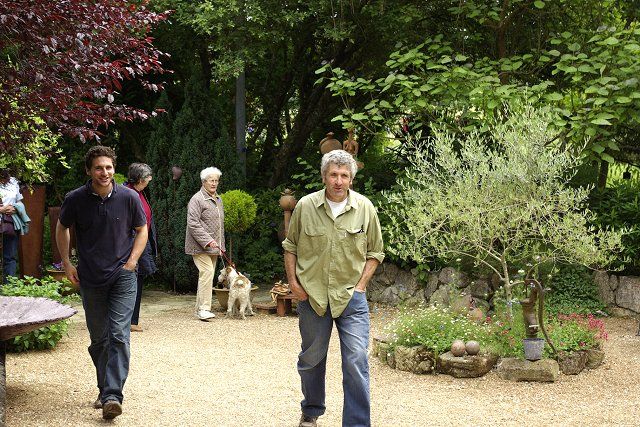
[
  {"x": 353, "y": 331},
  {"x": 108, "y": 312},
  {"x": 9, "y": 255}
]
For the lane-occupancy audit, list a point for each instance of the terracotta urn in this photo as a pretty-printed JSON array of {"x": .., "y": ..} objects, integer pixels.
[
  {"x": 329, "y": 143},
  {"x": 287, "y": 200}
]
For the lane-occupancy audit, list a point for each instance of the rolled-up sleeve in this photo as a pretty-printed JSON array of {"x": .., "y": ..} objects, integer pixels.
[{"x": 375, "y": 246}]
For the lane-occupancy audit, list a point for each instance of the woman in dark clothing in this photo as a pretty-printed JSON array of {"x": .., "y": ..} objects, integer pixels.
[{"x": 138, "y": 179}]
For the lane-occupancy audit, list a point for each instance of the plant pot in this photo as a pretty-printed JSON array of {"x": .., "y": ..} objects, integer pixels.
[
  {"x": 572, "y": 363},
  {"x": 56, "y": 274},
  {"x": 595, "y": 358},
  {"x": 223, "y": 297},
  {"x": 533, "y": 348}
]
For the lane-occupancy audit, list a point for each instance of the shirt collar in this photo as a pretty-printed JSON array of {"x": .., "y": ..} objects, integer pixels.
[
  {"x": 207, "y": 196},
  {"x": 319, "y": 197},
  {"x": 114, "y": 189}
]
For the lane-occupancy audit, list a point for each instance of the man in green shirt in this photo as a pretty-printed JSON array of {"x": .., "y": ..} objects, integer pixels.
[{"x": 332, "y": 249}]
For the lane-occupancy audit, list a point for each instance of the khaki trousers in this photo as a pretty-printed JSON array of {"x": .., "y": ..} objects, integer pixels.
[{"x": 206, "y": 270}]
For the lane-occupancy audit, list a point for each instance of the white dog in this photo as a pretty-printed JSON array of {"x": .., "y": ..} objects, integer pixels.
[{"x": 239, "y": 288}]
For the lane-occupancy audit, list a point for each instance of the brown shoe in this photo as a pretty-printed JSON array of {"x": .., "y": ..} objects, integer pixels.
[
  {"x": 111, "y": 409},
  {"x": 307, "y": 421},
  {"x": 136, "y": 328},
  {"x": 98, "y": 403}
]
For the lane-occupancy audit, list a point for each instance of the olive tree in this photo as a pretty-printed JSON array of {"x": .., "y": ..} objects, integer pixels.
[{"x": 502, "y": 199}]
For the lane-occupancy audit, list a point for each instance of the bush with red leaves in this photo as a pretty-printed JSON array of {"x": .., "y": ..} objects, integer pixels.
[{"x": 64, "y": 61}]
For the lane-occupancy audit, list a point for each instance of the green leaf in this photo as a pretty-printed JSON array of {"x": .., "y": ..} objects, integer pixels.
[
  {"x": 601, "y": 122},
  {"x": 385, "y": 104},
  {"x": 554, "y": 52},
  {"x": 611, "y": 41},
  {"x": 555, "y": 96},
  {"x": 623, "y": 100},
  {"x": 460, "y": 57},
  {"x": 612, "y": 145},
  {"x": 597, "y": 148},
  {"x": 539, "y": 4},
  {"x": 359, "y": 116},
  {"x": 607, "y": 158}
]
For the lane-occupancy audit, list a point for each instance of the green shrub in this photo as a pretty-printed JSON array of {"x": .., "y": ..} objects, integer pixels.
[
  {"x": 436, "y": 328},
  {"x": 576, "y": 332},
  {"x": 239, "y": 211},
  {"x": 573, "y": 291},
  {"x": 618, "y": 207},
  {"x": 48, "y": 336}
]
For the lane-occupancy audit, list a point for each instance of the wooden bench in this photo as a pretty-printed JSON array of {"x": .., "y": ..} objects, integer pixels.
[{"x": 283, "y": 304}]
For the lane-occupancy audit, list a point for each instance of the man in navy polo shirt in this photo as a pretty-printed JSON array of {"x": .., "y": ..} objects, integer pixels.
[{"x": 111, "y": 234}]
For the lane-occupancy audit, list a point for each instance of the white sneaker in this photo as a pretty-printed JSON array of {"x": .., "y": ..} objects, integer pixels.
[{"x": 205, "y": 315}]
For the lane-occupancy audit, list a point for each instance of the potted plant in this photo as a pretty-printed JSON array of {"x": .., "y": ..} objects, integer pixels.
[{"x": 579, "y": 340}]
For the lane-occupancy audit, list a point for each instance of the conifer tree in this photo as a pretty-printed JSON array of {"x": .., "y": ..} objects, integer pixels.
[{"x": 193, "y": 140}]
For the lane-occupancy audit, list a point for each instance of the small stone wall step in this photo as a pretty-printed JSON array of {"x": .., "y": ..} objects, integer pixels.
[{"x": 513, "y": 369}]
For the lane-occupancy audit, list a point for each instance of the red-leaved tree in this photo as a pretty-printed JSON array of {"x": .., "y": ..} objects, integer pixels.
[{"x": 64, "y": 61}]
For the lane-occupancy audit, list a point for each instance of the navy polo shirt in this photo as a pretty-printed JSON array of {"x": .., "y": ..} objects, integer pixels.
[{"x": 105, "y": 230}]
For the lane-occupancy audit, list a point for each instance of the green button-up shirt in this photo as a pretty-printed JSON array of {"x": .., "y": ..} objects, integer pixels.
[{"x": 331, "y": 253}]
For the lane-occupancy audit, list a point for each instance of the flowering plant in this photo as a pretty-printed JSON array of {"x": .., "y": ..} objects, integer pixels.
[
  {"x": 575, "y": 332},
  {"x": 56, "y": 266}
]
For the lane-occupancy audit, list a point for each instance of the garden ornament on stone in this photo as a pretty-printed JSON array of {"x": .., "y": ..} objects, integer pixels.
[
  {"x": 329, "y": 143},
  {"x": 350, "y": 145},
  {"x": 533, "y": 315}
]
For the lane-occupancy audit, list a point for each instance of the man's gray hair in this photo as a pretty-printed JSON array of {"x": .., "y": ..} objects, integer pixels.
[
  {"x": 138, "y": 172},
  {"x": 207, "y": 172},
  {"x": 338, "y": 158}
]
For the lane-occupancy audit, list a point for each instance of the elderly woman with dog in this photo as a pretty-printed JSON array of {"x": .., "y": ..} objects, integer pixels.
[
  {"x": 205, "y": 237},
  {"x": 139, "y": 177}
]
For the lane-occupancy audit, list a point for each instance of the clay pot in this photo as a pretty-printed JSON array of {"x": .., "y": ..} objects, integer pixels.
[
  {"x": 472, "y": 347},
  {"x": 329, "y": 143},
  {"x": 287, "y": 200},
  {"x": 458, "y": 348}
]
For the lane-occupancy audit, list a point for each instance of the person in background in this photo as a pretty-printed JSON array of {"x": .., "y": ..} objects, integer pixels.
[
  {"x": 332, "y": 248},
  {"x": 111, "y": 234},
  {"x": 138, "y": 178},
  {"x": 9, "y": 197},
  {"x": 205, "y": 237}
]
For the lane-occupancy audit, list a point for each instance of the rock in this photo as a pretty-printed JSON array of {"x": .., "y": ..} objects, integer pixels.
[
  {"x": 383, "y": 351},
  {"x": 495, "y": 282},
  {"x": 477, "y": 315},
  {"x": 628, "y": 293},
  {"x": 414, "y": 359},
  {"x": 451, "y": 276},
  {"x": 595, "y": 358},
  {"x": 480, "y": 288},
  {"x": 391, "y": 359},
  {"x": 390, "y": 296},
  {"x": 390, "y": 271},
  {"x": 613, "y": 282},
  {"x": 513, "y": 369},
  {"x": 414, "y": 301},
  {"x": 621, "y": 312},
  {"x": 461, "y": 304},
  {"x": 406, "y": 283},
  {"x": 376, "y": 342},
  {"x": 466, "y": 366},
  {"x": 482, "y": 305},
  {"x": 572, "y": 363},
  {"x": 431, "y": 286},
  {"x": 601, "y": 279},
  {"x": 440, "y": 297}
]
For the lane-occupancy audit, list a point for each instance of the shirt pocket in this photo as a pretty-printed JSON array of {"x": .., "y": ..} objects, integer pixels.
[
  {"x": 316, "y": 238},
  {"x": 355, "y": 243}
]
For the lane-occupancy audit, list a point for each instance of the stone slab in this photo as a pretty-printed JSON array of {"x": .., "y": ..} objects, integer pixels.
[
  {"x": 466, "y": 366},
  {"x": 513, "y": 369}
]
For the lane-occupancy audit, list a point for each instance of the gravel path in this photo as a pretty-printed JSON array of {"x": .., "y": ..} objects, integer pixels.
[{"x": 233, "y": 373}]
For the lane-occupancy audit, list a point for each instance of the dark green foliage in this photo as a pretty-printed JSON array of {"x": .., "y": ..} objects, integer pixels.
[
  {"x": 46, "y": 337},
  {"x": 259, "y": 254},
  {"x": 573, "y": 291},
  {"x": 193, "y": 141},
  {"x": 618, "y": 207}
]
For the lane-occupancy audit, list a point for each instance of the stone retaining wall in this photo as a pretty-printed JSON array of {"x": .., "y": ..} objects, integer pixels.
[{"x": 450, "y": 287}]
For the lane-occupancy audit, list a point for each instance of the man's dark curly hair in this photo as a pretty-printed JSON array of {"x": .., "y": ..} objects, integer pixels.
[{"x": 99, "y": 151}]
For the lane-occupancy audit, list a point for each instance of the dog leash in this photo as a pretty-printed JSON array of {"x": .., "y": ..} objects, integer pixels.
[{"x": 225, "y": 257}]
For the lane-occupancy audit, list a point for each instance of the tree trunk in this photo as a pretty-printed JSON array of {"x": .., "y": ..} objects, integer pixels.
[
  {"x": 241, "y": 122},
  {"x": 602, "y": 174}
]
